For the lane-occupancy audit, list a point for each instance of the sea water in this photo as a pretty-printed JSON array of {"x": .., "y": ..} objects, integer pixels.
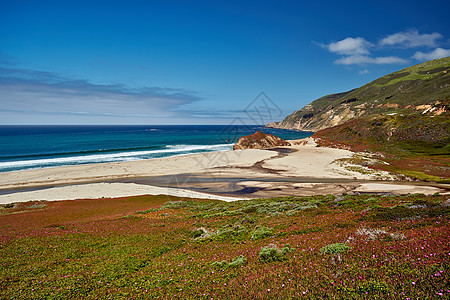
[{"x": 34, "y": 147}]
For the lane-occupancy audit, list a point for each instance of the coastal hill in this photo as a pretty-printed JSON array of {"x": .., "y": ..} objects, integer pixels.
[
  {"x": 403, "y": 119},
  {"x": 417, "y": 146},
  {"x": 423, "y": 89}
]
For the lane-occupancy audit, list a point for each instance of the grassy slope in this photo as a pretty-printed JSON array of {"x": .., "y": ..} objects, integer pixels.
[
  {"x": 417, "y": 146},
  {"x": 382, "y": 117},
  {"x": 426, "y": 83},
  {"x": 144, "y": 247}
]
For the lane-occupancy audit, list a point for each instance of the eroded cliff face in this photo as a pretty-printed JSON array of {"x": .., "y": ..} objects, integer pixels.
[
  {"x": 306, "y": 120},
  {"x": 260, "y": 140},
  {"x": 314, "y": 122},
  {"x": 420, "y": 89}
]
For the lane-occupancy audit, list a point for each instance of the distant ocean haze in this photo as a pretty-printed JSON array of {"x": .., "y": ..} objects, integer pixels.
[{"x": 35, "y": 147}]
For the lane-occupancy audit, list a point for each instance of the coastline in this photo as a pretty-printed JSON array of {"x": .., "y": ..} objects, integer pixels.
[{"x": 224, "y": 175}]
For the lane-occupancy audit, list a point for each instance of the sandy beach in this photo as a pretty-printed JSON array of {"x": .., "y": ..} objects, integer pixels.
[{"x": 302, "y": 169}]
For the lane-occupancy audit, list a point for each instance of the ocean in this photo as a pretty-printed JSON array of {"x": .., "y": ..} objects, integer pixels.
[{"x": 35, "y": 147}]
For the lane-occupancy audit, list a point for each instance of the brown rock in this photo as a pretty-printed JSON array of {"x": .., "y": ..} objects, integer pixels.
[{"x": 260, "y": 140}]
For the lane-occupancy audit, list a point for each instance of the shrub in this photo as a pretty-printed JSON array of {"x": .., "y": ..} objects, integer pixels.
[
  {"x": 38, "y": 205},
  {"x": 176, "y": 204},
  {"x": 271, "y": 253},
  {"x": 146, "y": 211},
  {"x": 8, "y": 205},
  {"x": 286, "y": 249},
  {"x": 372, "y": 287},
  {"x": 202, "y": 234},
  {"x": 248, "y": 219},
  {"x": 394, "y": 213},
  {"x": 236, "y": 231},
  {"x": 271, "y": 208},
  {"x": 236, "y": 262},
  {"x": 291, "y": 212},
  {"x": 335, "y": 249},
  {"x": 131, "y": 217},
  {"x": 261, "y": 232},
  {"x": 306, "y": 206}
]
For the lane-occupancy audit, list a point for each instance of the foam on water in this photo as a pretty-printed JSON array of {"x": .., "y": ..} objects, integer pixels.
[
  {"x": 34, "y": 147},
  {"x": 111, "y": 157}
]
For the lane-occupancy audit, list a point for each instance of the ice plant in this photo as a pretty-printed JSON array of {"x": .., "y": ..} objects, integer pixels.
[{"x": 84, "y": 249}]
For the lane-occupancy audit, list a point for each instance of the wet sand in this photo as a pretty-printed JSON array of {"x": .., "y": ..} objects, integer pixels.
[
  {"x": 299, "y": 170},
  {"x": 260, "y": 187}
]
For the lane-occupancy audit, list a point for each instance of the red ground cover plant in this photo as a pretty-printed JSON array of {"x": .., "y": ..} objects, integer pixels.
[
  {"x": 396, "y": 247},
  {"x": 416, "y": 146}
]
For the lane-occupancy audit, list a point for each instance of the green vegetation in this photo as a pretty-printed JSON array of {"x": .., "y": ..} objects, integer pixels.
[
  {"x": 392, "y": 247},
  {"x": 261, "y": 232},
  {"x": 335, "y": 248},
  {"x": 403, "y": 117},
  {"x": 424, "y": 71},
  {"x": 237, "y": 262},
  {"x": 401, "y": 92},
  {"x": 424, "y": 177},
  {"x": 416, "y": 146},
  {"x": 272, "y": 253}
]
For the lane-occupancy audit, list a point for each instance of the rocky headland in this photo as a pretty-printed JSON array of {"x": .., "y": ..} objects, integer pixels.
[{"x": 260, "y": 140}]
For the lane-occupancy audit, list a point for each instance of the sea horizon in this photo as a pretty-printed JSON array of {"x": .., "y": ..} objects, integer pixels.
[{"x": 26, "y": 147}]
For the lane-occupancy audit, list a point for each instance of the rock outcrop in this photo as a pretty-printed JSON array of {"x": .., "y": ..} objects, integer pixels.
[{"x": 259, "y": 140}]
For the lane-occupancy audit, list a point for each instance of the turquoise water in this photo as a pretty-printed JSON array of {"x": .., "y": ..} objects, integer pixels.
[{"x": 34, "y": 147}]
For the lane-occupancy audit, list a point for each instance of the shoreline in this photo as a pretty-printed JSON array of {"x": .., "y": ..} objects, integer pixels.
[
  {"x": 99, "y": 172},
  {"x": 301, "y": 170}
]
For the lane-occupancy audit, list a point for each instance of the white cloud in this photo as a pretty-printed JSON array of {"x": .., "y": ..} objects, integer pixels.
[
  {"x": 411, "y": 39},
  {"x": 435, "y": 54},
  {"x": 353, "y": 60},
  {"x": 357, "y": 51},
  {"x": 37, "y": 92},
  {"x": 350, "y": 46},
  {"x": 365, "y": 71},
  {"x": 364, "y": 59},
  {"x": 389, "y": 60}
]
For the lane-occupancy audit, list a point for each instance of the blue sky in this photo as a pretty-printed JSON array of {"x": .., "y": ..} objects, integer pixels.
[{"x": 201, "y": 62}]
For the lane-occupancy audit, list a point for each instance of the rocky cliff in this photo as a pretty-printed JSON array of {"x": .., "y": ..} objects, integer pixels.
[
  {"x": 260, "y": 140},
  {"x": 420, "y": 89}
]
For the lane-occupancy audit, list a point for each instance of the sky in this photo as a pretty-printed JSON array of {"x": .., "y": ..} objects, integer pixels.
[{"x": 201, "y": 62}]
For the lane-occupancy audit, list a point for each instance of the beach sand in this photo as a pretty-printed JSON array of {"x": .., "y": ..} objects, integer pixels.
[{"x": 302, "y": 169}]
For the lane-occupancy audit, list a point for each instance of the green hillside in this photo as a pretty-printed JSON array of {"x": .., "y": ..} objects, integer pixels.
[
  {"x": 417, "y": 146},
  {"x": 402, "y": 118},
  {"x": 419, "y": 89}
]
